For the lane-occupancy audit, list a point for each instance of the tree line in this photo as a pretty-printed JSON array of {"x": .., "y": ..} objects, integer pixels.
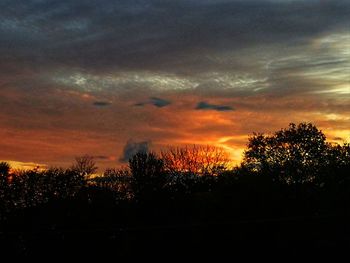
[{"x": 292, "y": 164}]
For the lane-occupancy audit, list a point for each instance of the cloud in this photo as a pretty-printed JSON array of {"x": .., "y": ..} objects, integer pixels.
[
  {"x": 131, "y": 148},
  {"x": 156, "y": 35},
  {"x": 158, "y": 102},
  {"x": 225, "y": 47},
  {"x": 207, "y": 106},
  {"x": 102, "y": 103}
]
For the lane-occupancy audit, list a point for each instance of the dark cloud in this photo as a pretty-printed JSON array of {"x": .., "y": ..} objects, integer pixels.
[
  {"x": 153, "y": 34},
  {"x": 158, "y": 102},
  {"x": 207, "y": 106},
  {"x": 132, "y": 147},
  {"x": 102, "y": 103}
]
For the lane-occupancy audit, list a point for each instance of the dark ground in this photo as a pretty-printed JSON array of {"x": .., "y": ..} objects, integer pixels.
[{"x": 291, "y": 236}]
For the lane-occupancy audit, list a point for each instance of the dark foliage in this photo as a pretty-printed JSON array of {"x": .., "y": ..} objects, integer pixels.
[{"x": 148, "y": 175}]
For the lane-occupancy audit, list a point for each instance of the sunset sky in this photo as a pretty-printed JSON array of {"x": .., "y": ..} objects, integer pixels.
[{"x": 107, "y": 78}]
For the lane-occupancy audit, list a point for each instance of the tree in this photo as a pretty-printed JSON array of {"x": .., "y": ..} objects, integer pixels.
[
  {"x": 148, "y": 177},
  {"x": 194, "y": 168},
  {"x": 117, "y": 180},
  {"x": 199, "y": 160},
  {"x": 336, "y": 166},
  {"x": 4, "y": 176},
  {"x": 59, "y": 183},
  {"x": 294, "y": 155},
  {"x": 4, "y": 187},
  {"x": 85, "y": 165},
  {"x": 4, "y": 168}
]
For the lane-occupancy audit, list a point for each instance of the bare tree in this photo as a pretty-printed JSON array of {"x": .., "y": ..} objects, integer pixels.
[
  {"x": 85, "y": 165},
  {"x": 195, "y": 159}
]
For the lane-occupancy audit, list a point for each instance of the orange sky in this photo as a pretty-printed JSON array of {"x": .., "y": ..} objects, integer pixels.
[{"x": 105, "y": 80}]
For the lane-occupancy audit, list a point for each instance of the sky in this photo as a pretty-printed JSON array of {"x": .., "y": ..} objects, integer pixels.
[{"x": 109, "y": 78}]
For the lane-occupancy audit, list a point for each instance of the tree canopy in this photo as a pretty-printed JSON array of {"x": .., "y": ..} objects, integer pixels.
[{"x": 295, "y": 154}]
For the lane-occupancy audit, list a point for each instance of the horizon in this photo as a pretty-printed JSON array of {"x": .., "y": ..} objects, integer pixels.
[
  {"x": 230, "y": 165},
  {"x": 108, "y": 78}
]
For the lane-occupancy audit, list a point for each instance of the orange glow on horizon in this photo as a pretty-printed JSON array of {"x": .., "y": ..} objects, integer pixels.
[{"x": 17, "y": 165}]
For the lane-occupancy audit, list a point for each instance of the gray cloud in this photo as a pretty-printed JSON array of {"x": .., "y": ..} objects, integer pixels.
[
  {"x": 102, "y": 103},
  {"x": 207, "y": 106},
  {"x": 131, "y": 148},
  {"x": 158, "y": 102},
  {"x": 153, "y": 34},
  {"x": 252, "y": 46},
  {"x": 223, "y": 48}
]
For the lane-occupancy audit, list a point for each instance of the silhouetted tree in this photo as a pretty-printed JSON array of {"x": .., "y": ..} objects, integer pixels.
[
  {"x": 59, "y": 183},
  {"x": 4, "y": 187},
  {"x": 148, "y": 176},
  {"x": 27, "y": 188},
  {"x": 193, "y": 168},
  {"x": 118, "y": 180},
  {"x": 4, "y": 176},
  {"x": 195, "y": 159},
  {"x": 4, "y": 168},
  {"x": 294, "y": 155},
  {"x": 85, "y": 165},
  {"x": 336, "y": 167}
]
